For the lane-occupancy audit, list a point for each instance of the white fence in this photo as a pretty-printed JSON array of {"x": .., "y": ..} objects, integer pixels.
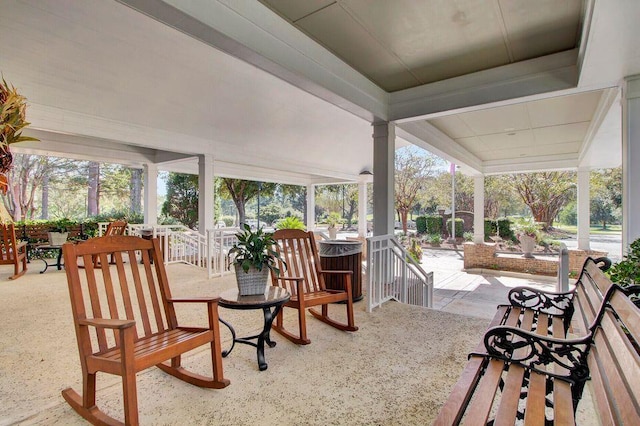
[
  {"x": 179, "y": 243},
  {"x": 220, "y": 242},
  {"x": 393, "y": 275}
]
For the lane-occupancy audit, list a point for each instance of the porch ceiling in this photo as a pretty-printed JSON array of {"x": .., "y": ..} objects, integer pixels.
[{"x": 496, "y": 86}]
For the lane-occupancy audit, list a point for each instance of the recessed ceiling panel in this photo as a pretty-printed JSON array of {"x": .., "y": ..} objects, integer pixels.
[
  {"x": 452, "y": 126},
  {"x": 436, "y": 40},
  {"x": 541, "y": 27},
  {"x": 564, "y": 109},
  {"x": 559, "y": 134},
  {"x": 350, "y": 41},
  {"x": 497, "y": 120},
  {"x": 508, "y": 140}
]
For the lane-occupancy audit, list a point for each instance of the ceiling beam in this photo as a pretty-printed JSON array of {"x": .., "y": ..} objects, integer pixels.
[
  {"x": 255, "y": 34},
  {"x": 531, "y": 164},
  {"x": 526, "y": 78}
]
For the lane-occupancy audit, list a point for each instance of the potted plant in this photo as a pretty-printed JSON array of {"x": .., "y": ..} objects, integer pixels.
[
  {"x": 333, "y": 220},
  {"x": 527, "y": 234},
  {"x": 12, "y": 121},
  {"x": 59, "y": 231},
  {"x": 253, "y": 257}
]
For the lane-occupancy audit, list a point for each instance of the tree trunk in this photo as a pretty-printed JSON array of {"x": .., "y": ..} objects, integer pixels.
[
  {"x": 93, "y": 208},
  {"x": 136, "y": 191},
  {"x": 403, "y": 219}
]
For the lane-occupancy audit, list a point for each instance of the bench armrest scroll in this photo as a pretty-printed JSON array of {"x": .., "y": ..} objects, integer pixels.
[
  {"x": 558, "y": 304},
  {"x": 538, "y": 353}
]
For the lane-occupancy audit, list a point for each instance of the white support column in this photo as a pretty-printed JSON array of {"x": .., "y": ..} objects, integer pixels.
[
  {"x": 384, "y": 141},
  {"x": 478, "y": 209},
  {"x": 362, "y": 209},
  {"x": 630, "y": 161},
  {"x": 205, "y": 193},
  {"x": 311, "y": 207},
  {"x": 150, "y": 194},
  {"x": 584, "y": 215}
]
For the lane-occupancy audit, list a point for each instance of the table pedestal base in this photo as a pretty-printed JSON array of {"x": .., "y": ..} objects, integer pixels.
[{"x": 261, "y": 339}]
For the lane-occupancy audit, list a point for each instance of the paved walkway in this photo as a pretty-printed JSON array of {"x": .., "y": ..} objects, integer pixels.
[{"x": 472, "y": 294}]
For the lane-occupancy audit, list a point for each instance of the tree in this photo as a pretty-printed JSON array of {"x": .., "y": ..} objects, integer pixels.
[
  {"x": 500, "y": 198},
  {"x": 241, "y": 191},
  {"x": 93, "y": 188},
  {"x": 182, "y": 199},
  {"x": 136, "y": 191},
  {"x": 545, "y": 193},
  {"x": 413, "y": 168},
  {"x": 26, "y": 176},
  {"x": 606, "y": 195}
]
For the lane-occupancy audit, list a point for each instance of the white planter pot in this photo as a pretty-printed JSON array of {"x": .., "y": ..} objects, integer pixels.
[
  {"x": 252, "y": 282},
  {"x": 57, "y": 238},
  {"x": 333, "y": 233},
  {"x": 528, "y": 244}
]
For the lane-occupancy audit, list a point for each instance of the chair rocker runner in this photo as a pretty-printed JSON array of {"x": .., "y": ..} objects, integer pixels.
[
  {"x": 114, "y": 342},
  {"x": 12, "y": 252},
  {"x": 305, "y": 281}
]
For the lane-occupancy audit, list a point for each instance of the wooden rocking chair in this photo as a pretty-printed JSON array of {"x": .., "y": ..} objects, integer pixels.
[
  {"x": 305, "y": 280},
  {"x": 144, "y": 335},
  {"x": 12, "y": 252}
]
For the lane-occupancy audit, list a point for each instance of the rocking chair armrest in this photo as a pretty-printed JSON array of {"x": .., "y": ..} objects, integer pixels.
[
  {"x": 115, "y": 324},
  {"x": 325, "y": 271},
  {"x": 193, "y": 299},
  {"x": 21, "y": 244}
]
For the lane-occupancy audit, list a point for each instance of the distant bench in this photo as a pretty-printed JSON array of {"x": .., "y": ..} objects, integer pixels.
[{"x": 525, "y": 369}]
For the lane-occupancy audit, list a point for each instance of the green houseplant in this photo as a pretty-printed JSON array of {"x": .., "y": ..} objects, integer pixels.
[
  {"x": 253, "y": 257},
  {"x": 12, "y": 121},
  {"x": 290, "y": 222}
]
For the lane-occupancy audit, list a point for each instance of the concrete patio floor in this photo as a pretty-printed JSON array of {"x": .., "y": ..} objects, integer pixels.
[{"x": 389, "y": 372}]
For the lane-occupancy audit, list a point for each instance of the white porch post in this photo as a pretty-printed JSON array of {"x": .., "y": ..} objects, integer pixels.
[
  {"x": 478, "y": 209},
  {"x": 630, "y": 161},
  {"x": 384, "y": 140},
  {"x": 205, "y": 193},
  {"x": 362, "y": 208},
  {"x": 311, "y": 207},
  {"x": 584, "y": 221},
  {"x": 150, "y": 194}
]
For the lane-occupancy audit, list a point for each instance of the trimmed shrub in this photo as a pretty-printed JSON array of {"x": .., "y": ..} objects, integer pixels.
[
  {"x": 434, "y": 225},
  {"x": 421, "y": 224},
  {"x": 490, "y": 227},
  {"x": 459, "y": 226},
  {"x": 290, "y": 222},
  {"x": 504, "y": 229}
]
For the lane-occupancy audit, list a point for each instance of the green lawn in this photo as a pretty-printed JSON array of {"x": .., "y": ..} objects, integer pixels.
[{"x": 595, "y": 230}]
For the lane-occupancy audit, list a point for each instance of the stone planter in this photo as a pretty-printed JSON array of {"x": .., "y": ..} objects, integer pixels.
[
  {"x": 57, "y": 238},
  {"x": 528, "y": 245},
  {"x": 333, "y": 232}
]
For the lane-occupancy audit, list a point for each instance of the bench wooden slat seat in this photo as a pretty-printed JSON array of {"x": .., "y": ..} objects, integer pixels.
[
  {"x": 12, "y": 251},
  {"x": 125, "y": 321},
  {"x": 526, "y": 370}
]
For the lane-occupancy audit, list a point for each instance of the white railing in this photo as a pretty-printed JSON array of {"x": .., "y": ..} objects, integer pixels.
[
  {"x": 393, "y": 275},
  {"x": 220, "y": 242},
  {"x": 179, "y": 243}
]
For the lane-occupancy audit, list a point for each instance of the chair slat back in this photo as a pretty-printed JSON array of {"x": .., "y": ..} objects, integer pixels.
[
  {"x": 129, "y": 288},
  {"x": 298, "y": 250},
  {"x": 117, "y": 227},
  {"x": 592, "y": 286},
  {"x": 7, "y": 242}
]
